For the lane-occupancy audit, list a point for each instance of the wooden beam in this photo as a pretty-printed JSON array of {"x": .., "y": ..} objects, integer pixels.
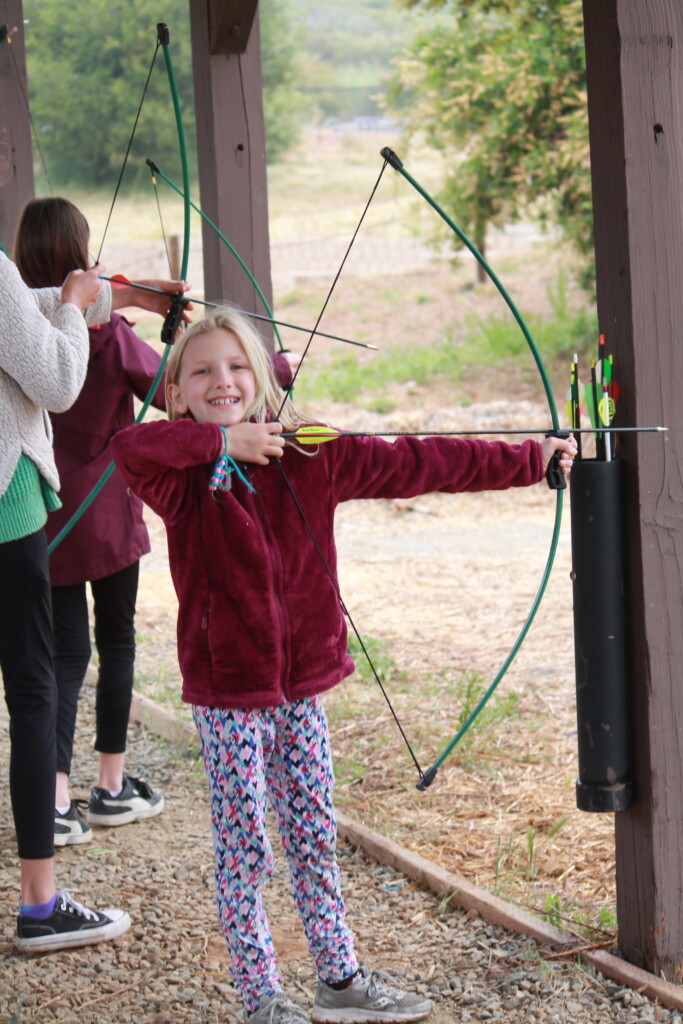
[
  {"x": 634, "y": 56},
  {"x": 230, "y": 23},
  {"x": 16, "y": 158},
  {"x": 231, "y": 150}
]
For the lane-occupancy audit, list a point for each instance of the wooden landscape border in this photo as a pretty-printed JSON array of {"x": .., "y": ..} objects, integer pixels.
[{"x": 447, "y": 884}]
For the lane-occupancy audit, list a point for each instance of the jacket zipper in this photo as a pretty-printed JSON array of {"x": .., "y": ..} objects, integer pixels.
[{"x": 276, "y": 577}]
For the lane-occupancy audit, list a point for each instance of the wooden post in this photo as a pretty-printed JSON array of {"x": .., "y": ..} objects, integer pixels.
[
  {"x": 231, "y": 151},
  {"x": 635, "y": 83},
  {"x": 16, "y": 159},
  {"x": 174, "y": 256}
]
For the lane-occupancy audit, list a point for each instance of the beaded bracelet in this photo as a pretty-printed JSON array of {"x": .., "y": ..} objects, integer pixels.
[{"x": 224, "y": 467}]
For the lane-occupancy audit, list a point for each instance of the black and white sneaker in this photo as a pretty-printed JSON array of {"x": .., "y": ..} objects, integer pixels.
[
  {"x": 69, "y": 924},
  {"x": 136, "y": 800},
  {"x": 71, "y": 828}
]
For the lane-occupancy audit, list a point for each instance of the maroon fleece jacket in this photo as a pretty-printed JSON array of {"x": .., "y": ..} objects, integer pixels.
[
  {"x": 259, "y": 622},
  {"x": 111, "y": 534}
]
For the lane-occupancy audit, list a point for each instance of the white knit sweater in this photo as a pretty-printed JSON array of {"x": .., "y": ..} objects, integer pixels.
[{"x": 43, "y": 359}]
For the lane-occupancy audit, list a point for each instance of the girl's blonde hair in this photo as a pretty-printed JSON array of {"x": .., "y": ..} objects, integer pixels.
[{"x": 269, "y": 399}]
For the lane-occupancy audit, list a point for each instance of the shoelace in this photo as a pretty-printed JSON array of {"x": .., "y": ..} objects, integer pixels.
[
  {"x": 379, "y": 981},
  {"x": 67, "y": 902},
  {"x": 293, "y": 1014},
  {"x": 142, "y": 788}
]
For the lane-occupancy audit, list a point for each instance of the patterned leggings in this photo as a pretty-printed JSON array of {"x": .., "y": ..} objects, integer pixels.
[{"x": 281, "y": 754}]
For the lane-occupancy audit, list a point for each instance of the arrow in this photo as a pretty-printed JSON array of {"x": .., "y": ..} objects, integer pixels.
[
  {"x": 319, "y": 433},
  {"x": 121, "y": 280}
]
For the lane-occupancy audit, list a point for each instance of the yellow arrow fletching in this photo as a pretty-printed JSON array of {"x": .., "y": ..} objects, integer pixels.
[
  {"x": 606, "y": 411},
  {"x": 316, "y": 433}
]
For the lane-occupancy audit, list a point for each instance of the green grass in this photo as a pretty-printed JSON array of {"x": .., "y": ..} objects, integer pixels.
[
  {"x": 568, "y": 330},
  {"x": 494, "y": 342},
  {"x": 458, "y": 696},
  {"x": 595, "y": 924},
  {"x": 359, "y": 693},
  {"x": 344, "y": 378},
  {"x": 378, "y": 650}
]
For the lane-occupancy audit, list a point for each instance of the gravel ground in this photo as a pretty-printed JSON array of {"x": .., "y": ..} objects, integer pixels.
[{"x": 172, "y": 966}]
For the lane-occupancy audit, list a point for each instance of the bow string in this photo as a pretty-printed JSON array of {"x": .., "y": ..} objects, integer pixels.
[
  {"x": 328, "y": 570},
  {"x": 555, "y": 476},
  {"x": 174, "y": 316}
]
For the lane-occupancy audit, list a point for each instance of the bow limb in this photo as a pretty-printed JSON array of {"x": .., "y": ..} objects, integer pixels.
[
  {"x": 174, "y": 316},
  {"x": 175, "y": 313},
  {"x": 397, "y": 165},
  {"x": 431, "y": 772},
  {"x": 391, "y": 158},
  {"x": 168, "y": 333},
  {"x": 163, "y": 36},
  {"x": 156, "y": 171}
]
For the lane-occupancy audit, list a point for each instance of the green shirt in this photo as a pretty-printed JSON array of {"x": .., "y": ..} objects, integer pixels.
[{"x": 26, "y": 502}]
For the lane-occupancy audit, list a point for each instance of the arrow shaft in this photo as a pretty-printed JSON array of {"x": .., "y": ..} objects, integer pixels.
[
  {"x": 333, "y": 434},
  {"x": 256, "y": 316}
]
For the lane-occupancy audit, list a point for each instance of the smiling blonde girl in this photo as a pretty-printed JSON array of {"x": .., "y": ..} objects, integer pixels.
[{"x": 261, "y": 635}]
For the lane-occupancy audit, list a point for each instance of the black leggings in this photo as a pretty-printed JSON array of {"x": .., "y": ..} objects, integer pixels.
[
  {"x": 114, "y": 613},
  {"x": 30, "y": 691}
]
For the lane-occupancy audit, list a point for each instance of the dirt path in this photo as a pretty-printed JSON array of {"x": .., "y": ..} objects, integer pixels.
[
  {"x": 171, "y": 966},
  {"x": 431, "y": 576}
]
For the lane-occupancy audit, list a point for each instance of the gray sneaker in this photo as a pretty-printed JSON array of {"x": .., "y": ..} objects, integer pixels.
[
  {"x": 372, "y": 996},
  {"x": 279, "y": 1009}
]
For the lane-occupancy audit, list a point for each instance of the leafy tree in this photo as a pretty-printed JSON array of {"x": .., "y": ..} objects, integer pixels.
[
  {"x": 86, "y": 75},
  {"x": 350, "y": 45},
  {"x": 284, "y": 105},
  {"x": 87, "y": 70},
  {"x": 501, "y": 85}
]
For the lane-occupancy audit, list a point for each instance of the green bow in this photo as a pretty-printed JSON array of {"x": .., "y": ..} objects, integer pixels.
[
  {"x": 428, "y": 777},
  {"x": 174, "y": 317}
]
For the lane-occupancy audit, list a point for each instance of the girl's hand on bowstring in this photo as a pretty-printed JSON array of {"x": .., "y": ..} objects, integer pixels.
[
  {"x": 128, "y": 295},
  {"x": 567, "y": 446},
  {"x": 82, "y": 287},
  {"x": 255, "y": 442}
]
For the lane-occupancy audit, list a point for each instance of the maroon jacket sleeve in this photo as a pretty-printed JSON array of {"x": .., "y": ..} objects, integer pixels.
[
  {"x": 370, "y": 467},
  {"x": 154, "y": 459},
  {"x": 139, "y": 363}
]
